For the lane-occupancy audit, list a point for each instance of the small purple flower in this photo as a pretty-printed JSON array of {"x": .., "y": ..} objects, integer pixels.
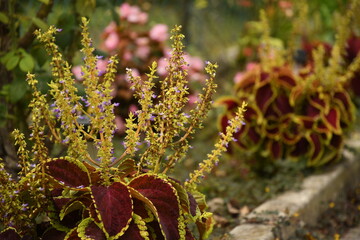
[
  {"x": 58, "y": 29},
  {"x": 99, "y": 57},
  {"x": 116, "y": 104}
]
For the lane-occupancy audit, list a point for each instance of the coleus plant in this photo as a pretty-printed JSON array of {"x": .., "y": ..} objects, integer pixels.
[
  {"x": 137, "y": 44},
  {"x": 101, "y": 195},
  {"x": 298, "y": 114}
]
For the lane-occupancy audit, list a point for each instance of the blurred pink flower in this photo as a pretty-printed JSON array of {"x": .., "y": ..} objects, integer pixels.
[
  {"x": 142, "y": 52},
  {"x": 196, "y": 63},
  {"x": 251, "y": 66},
  {"x": 193, "y": 98},
  {"x": 101, "y": 66},
  {"x": 238, "y": 77},
  {"x": 125, "y": 10},
  {"x": 161, "y": 69},
  {"x": 167, "y": 52},
  {"x": 112, "y": 41},
  {"x": 77, "y": 72},
  {"x": 110, "y": 28},
  {"x": 287, "y": 7},
  {"x": 133, "y": 108},
  {"x": 159, "y": 32},
  {"x": 127, "y": 56},
  {"x": 120, "y": 124},
  {"x": 142, "y": 41},
  {"x": 196, "y": 76}
]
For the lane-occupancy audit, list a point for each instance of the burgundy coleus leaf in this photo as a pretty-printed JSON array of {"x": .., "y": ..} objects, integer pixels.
[
  {"x": 282, "y": 104},
  {"x": 344, "y": 98},
  {"x": 336, "y": 141},
  {"x": 317, "y": 102},
  {"x": 332, "y": 120},
  {"x": 312, "y": 111},
  {"x": 300, "y": 148},
  {"x": 182, "y": 194},
  {"x": 156, "y": 230},
  {"x": 250, "y": 114},
  {"x": 9, "y": 234},
  {"x": 322, "y": 128},
  {"x": 140, "y": 209},
  {"x": 133, "y": 233},
  {"x": 316, "y": 147},
  {"x": 275, "y": 149},
  {"x": 54, "y": 234},
  {"x": 306, "y": 121},
  {"x": 291, "y": 130},
  {"x": 286, "y": 78},
  {"x": 114, "y": 206},
  {"x": 229, "y": 102},
  {"x": 224, "y": 122},
  {"x": 264, "y": 96},
  {"x": 68, "y": 172},
  {"x": 126, "y": 167},
  {"x": 296, "y": 95},
  {"x": 247, "y": 81},
  {"x": 88, "y": 229},
  {"x": 164, "y": 199},
  {"x": 253, "y": 135},
  {"x": 343, "y": 102},
  {"x": 271, "y": 112},
  {"x": 93, "y": 231},
  {"x": 193, "y": 204},
  {"x": 355, "y": 84},
  {"x": 352, "y": 47}
]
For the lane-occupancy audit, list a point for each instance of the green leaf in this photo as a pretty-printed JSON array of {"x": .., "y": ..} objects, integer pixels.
[
  {"x": 44, "y": 1},
  {"x": 7, "y": 56},
  {"x": 85, "y": 7},
  {"x": 27, "y": 63},
  {"x": 40, "y": 23},
  {"x": 4, "y": 18},
  {"x": 12, "y": 62},
  {"x": 17, "y": 90}
]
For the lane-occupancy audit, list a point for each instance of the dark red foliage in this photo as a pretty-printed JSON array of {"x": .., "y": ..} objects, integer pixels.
[
  {"x": 163, "y": 197},
  {"x": 94, "y": 232},
  {"x": 9, "y": 234},
  {"x": 67, "y": 173},
  {"x": 114, "y": 205}
]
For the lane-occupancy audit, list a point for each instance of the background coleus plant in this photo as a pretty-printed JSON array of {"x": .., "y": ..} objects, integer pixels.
[
  {"x": 137, "y": 45},
  {"x": 290, "y": 117},
  {"x": 98, "y": 194},
  {"x": 294, "y": 112}
]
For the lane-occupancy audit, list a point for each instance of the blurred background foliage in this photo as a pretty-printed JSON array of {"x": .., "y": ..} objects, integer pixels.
[{"x": 223, "y": 31}]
